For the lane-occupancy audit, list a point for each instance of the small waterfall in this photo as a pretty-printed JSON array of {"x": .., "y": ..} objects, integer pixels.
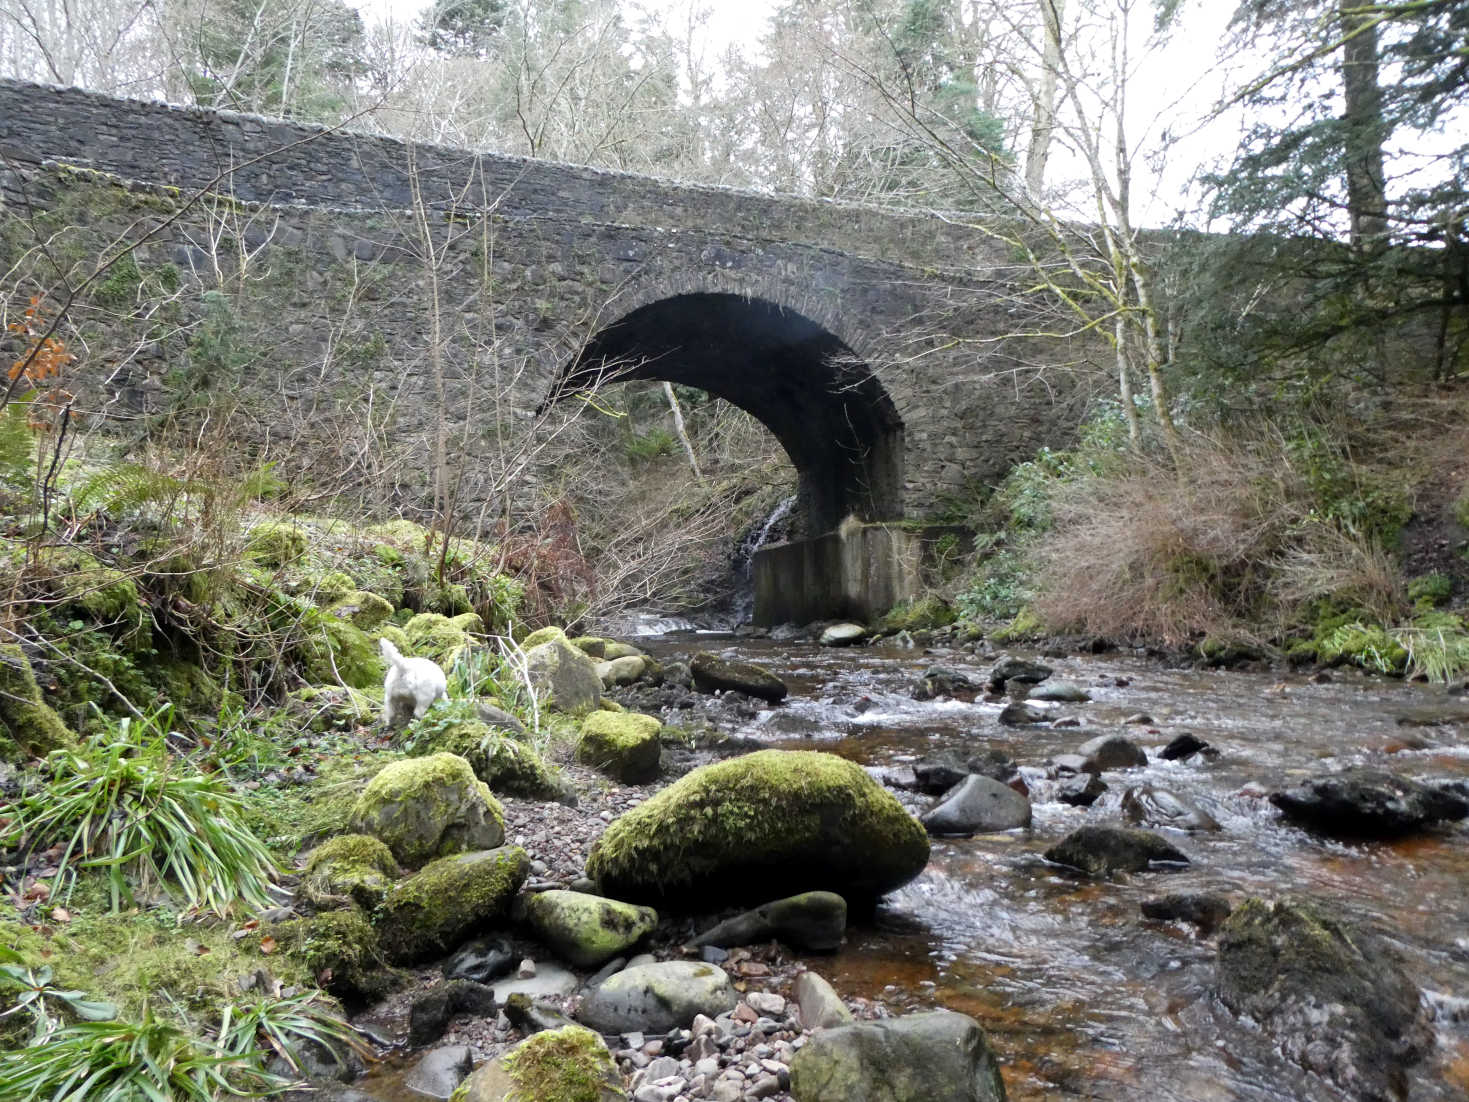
[{"x": 744, "y": 559}]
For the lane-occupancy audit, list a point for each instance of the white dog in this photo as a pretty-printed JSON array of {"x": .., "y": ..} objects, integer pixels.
[{"x": 412, "y": 685}]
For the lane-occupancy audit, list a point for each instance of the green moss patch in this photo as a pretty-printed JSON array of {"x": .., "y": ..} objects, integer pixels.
[{"x": 431, "y": 913}]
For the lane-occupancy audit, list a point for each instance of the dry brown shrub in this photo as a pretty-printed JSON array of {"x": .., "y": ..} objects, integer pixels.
[{"x": 1170, "y": 552}]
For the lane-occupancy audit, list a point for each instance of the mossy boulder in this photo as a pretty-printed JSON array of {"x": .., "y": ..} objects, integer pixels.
[
  {"x": 1336, "y": 998},
  {"x": 542, "y": 635},
  {"x": 658, "y": 997},
  {"x": 28, "y": 725},
  {"x": 613, "y": 650},
  {"x": 433, "y": 635},
  {"x": 341, "y": 951},
  {"x": 593, "y": 646},
  {"x": 335, "y": 652},
  {"x": 506, "y": 765},
  {"x": 347, "y": 869},
  {"x": 429, "y": 807},
  {"x": 772, "y": 823},
  {"x": 103, "y": 594},
  {"x": 715, "y": 674},
  {"x": 363, "y": 610},
  {"x": 624, "y": 745},
  {"x": 938, "y": 1056},
  {"x": 468, "y": 622},
  {"x": 585, "y": 930},
  {"x": 275, "y": 543},
  {"x": 564, "y": 677},
  {"x": 621, "y": 671},
  {"x": 447, "y": 901},
  {"x": 570, "y": 1064},
  {"x": 924, "y": 614}
]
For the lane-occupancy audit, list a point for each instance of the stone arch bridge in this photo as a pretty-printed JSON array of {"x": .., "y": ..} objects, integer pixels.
[{"x": 883, "y": 350}]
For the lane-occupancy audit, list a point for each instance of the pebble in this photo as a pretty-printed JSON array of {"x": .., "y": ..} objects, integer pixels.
[{"x": 527, "y": 970}]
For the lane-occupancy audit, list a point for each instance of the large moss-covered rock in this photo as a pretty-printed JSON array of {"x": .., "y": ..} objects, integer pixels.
[
  {"x": 333, "y": 651},
  {"x": 624, "y": 745},
  {"x": 587, "y": 930},
  {"x": 508, "y": 766},
  {"x": 563, "y": 676},
  {"x": 28, "y": 726},
  {"x": 654, "y": 998},
  {"x": 939, "y": 1056},
  {"x": 275, "y": 543},
  {"x": 433, "y": 635},
  {"x": 103, "y": 594},
  {"x": 341, "y": 951},
  {"x": 1335, "y": 998},
  {"x": 772, "y": 823},
  {"x": 570, "y": 1064},
  {"x": 363, "y": 610},
  {"x": 347, "y": 869},
  {"x": 429, "y": 807},
  {"x": 541, "y": 635},
  {"x": 715, "y": 674},
  {"x": 447, "y": 902}
]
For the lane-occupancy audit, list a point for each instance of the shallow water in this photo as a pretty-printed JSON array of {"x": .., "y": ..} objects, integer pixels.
[{"x": 1081, "y": 997}]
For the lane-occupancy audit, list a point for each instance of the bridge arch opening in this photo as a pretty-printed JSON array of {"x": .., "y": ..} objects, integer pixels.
[{"x": 816, "y": 396}]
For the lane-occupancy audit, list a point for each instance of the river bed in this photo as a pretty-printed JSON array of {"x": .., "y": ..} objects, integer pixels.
[{"x": 1080, "y": 995}]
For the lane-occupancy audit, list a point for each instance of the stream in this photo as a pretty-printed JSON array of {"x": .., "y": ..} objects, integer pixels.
[{"x": 1080, "y": 995}]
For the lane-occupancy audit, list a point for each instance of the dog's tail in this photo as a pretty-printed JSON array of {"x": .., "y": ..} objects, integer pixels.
[{"x": 390, "y": 652}]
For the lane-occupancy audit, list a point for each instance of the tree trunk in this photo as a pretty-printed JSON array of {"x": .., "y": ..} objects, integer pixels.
[
  {"x": 1045, "y": 98},
  {"x": 1366, "y": 188},
  {"x": 683, "y": 434}
]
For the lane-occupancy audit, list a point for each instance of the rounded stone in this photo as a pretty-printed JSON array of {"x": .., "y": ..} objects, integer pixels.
[
  {"x": 434, "y": 911},
  {"x": 587, "y": 930},
  {"x": 624, "y": 745},
  {"x": 429, "y": 807},
  {"x": 654, "y": 998},
  {"x": 771, "y": 823}
]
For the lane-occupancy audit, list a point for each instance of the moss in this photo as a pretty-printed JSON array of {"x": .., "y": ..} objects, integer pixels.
[
  {"x": 429, "y": 807},
  {"x": 570, "y": 1064},
  {"x": 362, "y": 609},
  {"x": 451, "y": 600},
  {"x": 924, "y": 614},
  {"x": 779, "y": 821},
  {"x": 402, "y": 534},
  {"x": 350, "y": 868},
  {"x": 593, "y": 646},
  {"x": 433, "y": 635},
  {"x": 1430, "y": 591},
  {"x": 395, "y": 635},
  {"x": 1366, "y": 645},
  {"x": 1026, "y": 625},
  {"x": 623, "y": 745},
  {"x": 333, "y": 651},
  {"x": 468, "y": 622},
  {"x": 542, "y": 635},
  {"x": 102, "y": 593},
  {"x": 190, "y": 687},
  {"x": 431, "y": 912},
  {"x": 275, "y": 543},
  {"x": 329, "y": 588},
  {"x": 340, "y": 951},
  {"x": 27, "y": 723},
  {"x": 505, "y": 765},
  {"x": 612, "y": 651},
  {"x": 607, "y": 704},
  {"x": 586, "y": 930}
]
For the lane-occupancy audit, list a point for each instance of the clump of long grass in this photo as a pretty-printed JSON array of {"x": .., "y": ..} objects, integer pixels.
[{"x": 125, "y": 804}]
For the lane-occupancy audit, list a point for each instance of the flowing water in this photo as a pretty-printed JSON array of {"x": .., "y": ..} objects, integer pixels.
[{"x": 1081, "y": 997}]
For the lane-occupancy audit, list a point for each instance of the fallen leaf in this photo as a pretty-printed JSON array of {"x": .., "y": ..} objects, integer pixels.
[
  {"x": 60, "y": 914},
  {"x": 267, "y": 944}
]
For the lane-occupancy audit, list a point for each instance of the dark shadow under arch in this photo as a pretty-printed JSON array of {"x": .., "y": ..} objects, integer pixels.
[{"x": 830, "y": 413}]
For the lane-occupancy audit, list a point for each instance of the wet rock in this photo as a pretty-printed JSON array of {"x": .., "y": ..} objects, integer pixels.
[
  {"x": 621, "y": 671},
  {"x": 531, "y": 1015},
  {"x": 481, "y": 961},
  {"x": 818, "y": 1003},
  {"x": 1434, "y": 715},
  {"x": 1196, "y": 908},
  {"x": 1141, "y": 719},
  {"x": 431, "y": 1011},
  {"x": 815, "y": 921},
  {"x": 1334, "y": 997},
  {"x": 564, "y": 676},
  {"x": 1100, "y": 851},
  {"x": 1146, "y": 803},
  {"x": 439, "y": 1071},
  {"x": 1080, "y": 789},
  {"x": 774, "y": 822},
  {"x": 586, "y": 930},
  {"x": 714, "y": 674},
  {"x": 939, "y": 1056},
  {"x": 654, "y": 998},
  {"x": 1020, "y": 714},
  {"x": 1019, "y": 670},
  {"x": 1112, "y": 752},
  {"x": 547, "y": 980},
  {"x": 978, "y": 805},
  {"x": 995, "y": 764},
  {"x": 1067, "y": 764},
  {"x": 429, "y": 807},
  {"x": 936, "y": 776},
  {"x": 624, "y": 745},
  {"x": 1368, "y": 803},
  {"x": 571, "y": 1062},
  {"x": 843, "y": 635},
  {"x": 940, "y": 681},
  {"x": 1060, "y": 692},
  {"x": 431, "y": 913},
  {"x": 1185, "y": 746}
]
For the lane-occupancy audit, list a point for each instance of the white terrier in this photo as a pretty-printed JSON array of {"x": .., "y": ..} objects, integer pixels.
[{"x": 412, "y": 685}]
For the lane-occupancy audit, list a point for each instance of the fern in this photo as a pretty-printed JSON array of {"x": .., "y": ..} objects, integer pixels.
[
  {"x": 127, "y": 486},
  {"x": 17, "y": 442}
]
